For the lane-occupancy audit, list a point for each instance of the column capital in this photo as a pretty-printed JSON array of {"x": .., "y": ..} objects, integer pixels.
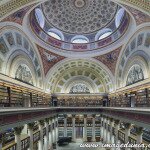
[
  {"x": 139, "y": 130},
  {"x": 107, "y": 118},
  {"x": 85, "y": 115},
  {"x": 111, "y": 119},
  {"x": 93, "y": 115},
  {"x": 104, "y": 116},
  {"x": 127, "y": 125},
  {"x": 31, "y": 125},
  {"x": 117, "y": 122},
  {"x": 73, "y": 115},
  {"x": 65, "y": 115},
  {"x": 47, "y": 120},
  {"x": 18, "y": 130},
  {"x": 51, "y": 118},
  {"x": 41, "y": 122}
]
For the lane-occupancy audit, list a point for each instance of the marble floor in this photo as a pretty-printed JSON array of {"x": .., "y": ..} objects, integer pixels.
[{"x": 76, "y": 146}]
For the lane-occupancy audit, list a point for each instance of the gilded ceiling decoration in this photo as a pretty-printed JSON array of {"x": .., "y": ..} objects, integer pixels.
[
  {"x": 49, "y": 59},
  {"x": 14, "y": 5},
  {"x": 79, "y": 16}
]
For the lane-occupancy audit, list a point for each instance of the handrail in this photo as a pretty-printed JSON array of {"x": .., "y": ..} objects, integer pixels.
[{"x": 10, "y": 146}]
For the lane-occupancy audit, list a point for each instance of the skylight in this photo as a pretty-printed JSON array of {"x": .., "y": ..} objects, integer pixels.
[
  {"x": 39, "y": 17},
  {"x": 119, "y": 17},
  {"x": 104, "y": 35},
  {"x": 80, "y": 39},
  {"x": 54, "y": 35}
]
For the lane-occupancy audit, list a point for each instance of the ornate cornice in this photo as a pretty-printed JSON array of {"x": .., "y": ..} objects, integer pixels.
[
  {"x": 142, "y": 4},
  {"x": 14, "y": 5},
  {"x": 9, "y": 6},
  {"x": 138, "y": 15}
]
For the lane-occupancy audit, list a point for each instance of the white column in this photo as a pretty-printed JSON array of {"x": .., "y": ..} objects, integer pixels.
[
  {"x": 101, "y": 129},
  {"x": 65, "y": 125},
  {"x": 127, "y": 133},
  {"x": 46, "y": 137},
  {"x": 73, "y": 129},
  {"x": 18, "y": 131},
  {"x": 25, "y": 129},
  {"x": 50, "y": 133},
  {"x": 53, "y": 131},
  {"x": 85, "y": 128},
  {"x": 104, "y": 130},
  {"x": 93, "y": 128},
  {"x": 117, "y": 126},
  {"x": 112, "y": 140},
  {"x": 107, "y": 131},
  {"x": 30, "y": 133},
  {"x": 40, "y": 144},
  {"x": 139, "y": 138},
  {"x": 56, "y": 128}
]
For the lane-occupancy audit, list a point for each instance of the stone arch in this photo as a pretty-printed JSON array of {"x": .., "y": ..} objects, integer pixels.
[
  {"x": 68, "y": 69},
  {"x": 136, "y": 51},
  {"x": 14, "y": 42}
]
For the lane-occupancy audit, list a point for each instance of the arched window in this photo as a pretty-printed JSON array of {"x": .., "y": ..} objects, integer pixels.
[
  {"x": 135, "y": 74},
  {"x": 79, "y": 88},
  {"x": 119, "y": 17},
  {"x": 56, "y": 34},
  {"x": 24, "y": 74},
  {"x": 80, "y": 39},
  {"x": 103, "y": 34},
  {"x": 39, "y": 17}
]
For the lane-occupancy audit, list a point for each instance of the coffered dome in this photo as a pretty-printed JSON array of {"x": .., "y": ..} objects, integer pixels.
[{"x": 79, "y": 16}]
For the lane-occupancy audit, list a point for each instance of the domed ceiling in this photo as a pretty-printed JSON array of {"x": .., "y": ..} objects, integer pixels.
[{"x": 79, "y": 16}]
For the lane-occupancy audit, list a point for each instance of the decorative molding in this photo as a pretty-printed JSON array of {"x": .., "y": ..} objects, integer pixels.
[
  {"x": 18, "y": 16},
  {"x": 49, "y": 59},
  {"x": 110, "y": 59},
  {"x": 138, "y": 15},
  {"x": 14, "y": 5},
  {"x": 143, "y": 4}
]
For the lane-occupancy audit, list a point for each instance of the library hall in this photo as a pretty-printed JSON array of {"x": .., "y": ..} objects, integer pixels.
[{"x": 74, "y": 74}]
